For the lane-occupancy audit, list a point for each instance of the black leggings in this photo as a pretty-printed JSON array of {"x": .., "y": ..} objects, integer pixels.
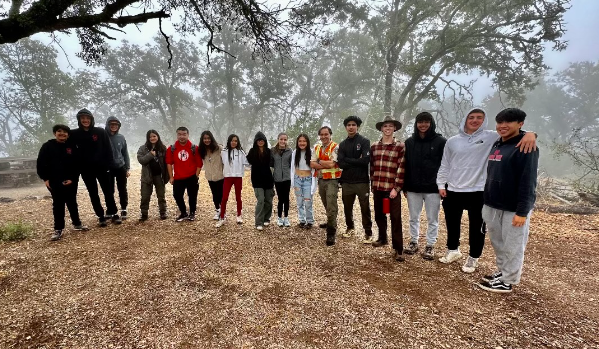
[
  {"x": 283, "y": 189},
  {"x": 216, "y": 187}
]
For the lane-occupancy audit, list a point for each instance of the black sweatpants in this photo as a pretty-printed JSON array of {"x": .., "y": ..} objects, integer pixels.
[
  {"x": 64, "y": 195},
  {"x": 454, "y": 205},
  {"x": 216, "y": 187},
  {"x": 395, "y": 215},
  {"x": 283, "y": 188},
  {"x": 91, "y": 177},
  {"x": 193, "y": 186},
  {"x": 120, "y": 175}
]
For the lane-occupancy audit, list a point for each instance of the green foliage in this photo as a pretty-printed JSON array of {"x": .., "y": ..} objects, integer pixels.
[{"x": 15, "y": 231}]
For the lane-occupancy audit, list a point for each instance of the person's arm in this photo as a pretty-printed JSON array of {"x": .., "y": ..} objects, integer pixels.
[
  {"x": 125, "y": 153},
  {"x": 314, "y": 161},
  {"x": 42, "y": 166},
  {"x": 528, "y": 143},
  {"x": 362, "y": 161},
  {"x": 334, "y": 159},
  {"x": 144, "y": 158},
  {"x": 200, "y": 163},
  {"x": 399, "y": 177},
  {"x": 444, "y": 171},
  {"x": 107, "y": 144},
  {"x": 169, "y": 159},
  {"x": 527, "y": 188}
]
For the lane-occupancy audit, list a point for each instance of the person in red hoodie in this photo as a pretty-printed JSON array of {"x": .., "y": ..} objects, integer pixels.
[{"x": 184, "y": 164}]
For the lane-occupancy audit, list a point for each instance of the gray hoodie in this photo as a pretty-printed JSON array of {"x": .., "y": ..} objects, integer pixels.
[
  {"x": 464, "y": 163},
  {"x": 119, "y": 146}
]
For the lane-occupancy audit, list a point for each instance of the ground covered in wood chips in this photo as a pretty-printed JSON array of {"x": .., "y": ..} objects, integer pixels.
[{"x": 163, "y": 284}]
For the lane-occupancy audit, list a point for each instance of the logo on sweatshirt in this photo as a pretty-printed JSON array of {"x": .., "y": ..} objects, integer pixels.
[
  {"x": 495, "y": 156},
  {"x": 69, "y": 151},
  {"x": 359, "y": 146},
  {"x": 95, "y": 138},
  {"x": 183, "y": 155}
]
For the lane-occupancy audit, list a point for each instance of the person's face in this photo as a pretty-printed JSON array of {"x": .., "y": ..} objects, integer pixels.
[
  {"x": 508, "y": 130},
  {"x": 182, "y": 136},
  {"x": 153, "y": 138},
  {"x": 474, "y": 121},
  {"x": 423, "y": 126},
  {"x": 85, "y": 120},
  {"x": 351, "y": 128},
  {"x": 302, "y": 143},
  {"x": 234, "y": 142},
  {"x": 325, "y": 136},
  {"x": 282, "y": 141},
  {"x": 114, "y": 126},
  {"x": 61, "y": 135},
  {"x": 260, "y": 143},
  {"x": 206, "y": 139},
  {"x": 388, "y": 128}
]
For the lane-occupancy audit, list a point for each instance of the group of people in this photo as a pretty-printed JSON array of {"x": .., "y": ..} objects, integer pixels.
[{"x": 492, "y": 175}]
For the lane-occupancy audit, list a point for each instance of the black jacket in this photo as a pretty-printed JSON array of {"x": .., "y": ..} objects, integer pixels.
[
  {"x": 56, "y": 162},
  {"x": 353, "y": 158},
  {"x": 511, "y": 177},
  {"x": 94, "y": 150},
  {"x": 422, "y": 160},
  {"x": 261, "y": 174}
]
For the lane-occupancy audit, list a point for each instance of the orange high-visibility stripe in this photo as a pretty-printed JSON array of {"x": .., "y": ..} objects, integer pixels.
[{"x": 329, "y": 173}]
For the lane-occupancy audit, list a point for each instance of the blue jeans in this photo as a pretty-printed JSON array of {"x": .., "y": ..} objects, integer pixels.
[{"x": 303, "y": 196}]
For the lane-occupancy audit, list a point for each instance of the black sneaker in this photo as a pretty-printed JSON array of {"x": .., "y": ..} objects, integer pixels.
[
  {"x": 123, "y": 214},
  {"x": 308, "y": 226},
  {"x": 80, "y": 227},
  {"x": 492, "y": 277},
  {"x": 322, "y": 225},
  {"x": 116, "y": 219},
  {"x": 102, "y": 221},
  {"x": 143, "y": 218},
  {"x": 302, "y": 225},
  {"x": 429, "y": 253},
  {"x": 411, "y": 249},
  {"x": 497, "y": 286},
  {"x": 57, "y": 235},
  {"x": 330, "y": 240},
  {"x": 182, "y": 217},
  {"x": 379, "y": 243},
  {"x": 399, "y": 257},
  {"x": 163, "y": 216},
  {"x": 192, "y": 216}
]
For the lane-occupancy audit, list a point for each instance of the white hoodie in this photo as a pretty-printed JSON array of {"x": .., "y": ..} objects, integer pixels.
[
  {"x": 464, "y": 163},
  {"x": 237, "y": 165}
]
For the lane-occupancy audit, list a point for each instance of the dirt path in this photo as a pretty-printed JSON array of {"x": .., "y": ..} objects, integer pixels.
[{"x": 167, "y": 285}]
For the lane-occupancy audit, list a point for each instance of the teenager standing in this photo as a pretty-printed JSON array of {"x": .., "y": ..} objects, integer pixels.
[
  {"x": 281, "y": 164},
  {"x": 210, "y": 152},
  {"x": 303, "y": 180},
  {"x": 152, "y": 156},
  {"x": 262, "y": 180},
  {"x": 119, "y": 170},
  {"x": 234, "y": 163}
]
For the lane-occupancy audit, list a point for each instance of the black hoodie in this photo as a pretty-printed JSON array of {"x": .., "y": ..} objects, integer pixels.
[
  {"x": 56, "y": 162},
  {"x": 261, "y": 174},
  {"x": 422, "y": 160},
  {"x": 94, "y": 150}
]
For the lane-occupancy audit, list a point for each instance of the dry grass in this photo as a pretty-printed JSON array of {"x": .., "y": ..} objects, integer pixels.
[{"x": 188, "y": 285}]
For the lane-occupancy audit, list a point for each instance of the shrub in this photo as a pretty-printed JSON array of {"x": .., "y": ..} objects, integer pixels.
[{"x": 15, "y": 231}]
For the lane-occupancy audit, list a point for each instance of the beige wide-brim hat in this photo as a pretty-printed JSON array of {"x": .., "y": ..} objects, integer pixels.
[{"x": 397, "y": 124}]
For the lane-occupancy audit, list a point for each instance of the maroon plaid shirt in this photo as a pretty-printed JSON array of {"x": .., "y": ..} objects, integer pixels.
[{"x": 387, "y": 166}]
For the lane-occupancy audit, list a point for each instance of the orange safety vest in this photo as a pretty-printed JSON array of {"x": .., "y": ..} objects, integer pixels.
[{"x": 327, "y": 173}]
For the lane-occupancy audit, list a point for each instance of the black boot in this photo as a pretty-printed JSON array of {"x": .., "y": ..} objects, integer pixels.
[{"x": 331, "y": 236}]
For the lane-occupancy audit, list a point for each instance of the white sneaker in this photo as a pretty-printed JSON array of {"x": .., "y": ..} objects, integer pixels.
[
  {"x": 367, "y": 239},
  {"x": 348, "y": 233},
  {"x": 470, "y": 265},
  {"x": 216, "y": 215},
  {"x": 220, "y": 223},
  {"x": 267, "y": 223},
  {"x": 259, "y": 227},
  {"x": 451, "y": 257},
  {"x": 280, "y": 222},
  {"x": 239, "y": 220},
  {"x": 286, "y": 222}
]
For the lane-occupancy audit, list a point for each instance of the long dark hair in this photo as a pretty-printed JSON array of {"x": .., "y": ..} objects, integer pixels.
[
  {"x": 159, "y": 145},
  {"x": 298, "y": 151},
  {"x": 231, "y": 136},
  {"x": 204, "y": 148}
]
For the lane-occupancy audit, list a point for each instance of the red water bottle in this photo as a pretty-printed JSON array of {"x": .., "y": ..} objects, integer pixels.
[{"x": 386, "y": 206}]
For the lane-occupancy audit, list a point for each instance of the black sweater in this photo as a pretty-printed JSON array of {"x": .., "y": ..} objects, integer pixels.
[
  {"x": 261, "y": 174},
  {"x": 353, "y": 158},
  {"x": 422, "y": 160},
  {"x": 56, "y": 162},
  {"x": 93, "y": 148},
  {"x": 511, "y": 177}
]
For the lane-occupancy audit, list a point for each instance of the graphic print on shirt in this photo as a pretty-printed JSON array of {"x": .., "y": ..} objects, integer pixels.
[
  {"x": 183, "y": 155},
  {"x": 495, "y": 156},
  {"x": 95, "y": 138}
]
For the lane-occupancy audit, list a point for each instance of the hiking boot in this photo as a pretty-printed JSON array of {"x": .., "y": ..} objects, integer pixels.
[
  {"x": 80, "y": 227},
  {"x": 302, "y": 225},
  {"x": 116, "y": 219},
  {"x": 379, "y": 243},
  {"x": 216, "y": 215},
  {"x": 286, "y": 222},
  {"x": 123, "y": 215},
  {"x": 348, "y": 233},
  {"x": 399, "y": 257},
  {"x": 429, "y": 253},
  {"x": 322, "y": 225},
  {"x": 411, "y": 249},
  {"x": 182, "y": 217},
  {"x": 492, "y": 277},
  {"x": 163, "y": 216},
  {"x": 191, "y": 217},
  {"x": 470, "y": 265},
  {"x": 450, "y": 257},
  {"x": 57, "y": 235},
  {"x": 367, "y": 239},
  {"x": 280, "y": 222},
  {"x": 143, "y": 218},
  {"x": 102, "y": 222},
  {"x": 259, "y": 227},
  {"x": 497, "y": 286},
  {"x": 266, "y": 223},
  {"x": 220, "y": 223},
  {"x": 239, "y": 220}
]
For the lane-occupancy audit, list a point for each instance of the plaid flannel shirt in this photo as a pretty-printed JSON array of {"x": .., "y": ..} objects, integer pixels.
[{"x": 387, "y": 166}]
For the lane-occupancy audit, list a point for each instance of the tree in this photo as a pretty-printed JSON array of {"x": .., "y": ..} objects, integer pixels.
[{"x": 267, "y": 29}]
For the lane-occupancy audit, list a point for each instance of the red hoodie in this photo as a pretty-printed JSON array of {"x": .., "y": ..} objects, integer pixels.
[{"x": 183, "y": 160}]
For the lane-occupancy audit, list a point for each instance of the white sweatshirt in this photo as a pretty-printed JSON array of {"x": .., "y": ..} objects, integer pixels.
[
  {"x": 236, "y": 166},
  {"x": 464, "y": 163}
]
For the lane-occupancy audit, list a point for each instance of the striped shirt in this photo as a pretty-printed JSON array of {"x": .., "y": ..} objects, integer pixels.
[{"x": 387, "y": 166}]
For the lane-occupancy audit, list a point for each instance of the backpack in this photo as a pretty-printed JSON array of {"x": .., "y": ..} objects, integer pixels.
[{"x": 193, "y": 149}]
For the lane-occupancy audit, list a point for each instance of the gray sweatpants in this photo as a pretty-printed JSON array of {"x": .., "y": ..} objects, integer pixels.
[
  {"x": 432, "y": 206},
  {"x": 263, "y": 210},
  {"x": 509, "y": 242}
]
